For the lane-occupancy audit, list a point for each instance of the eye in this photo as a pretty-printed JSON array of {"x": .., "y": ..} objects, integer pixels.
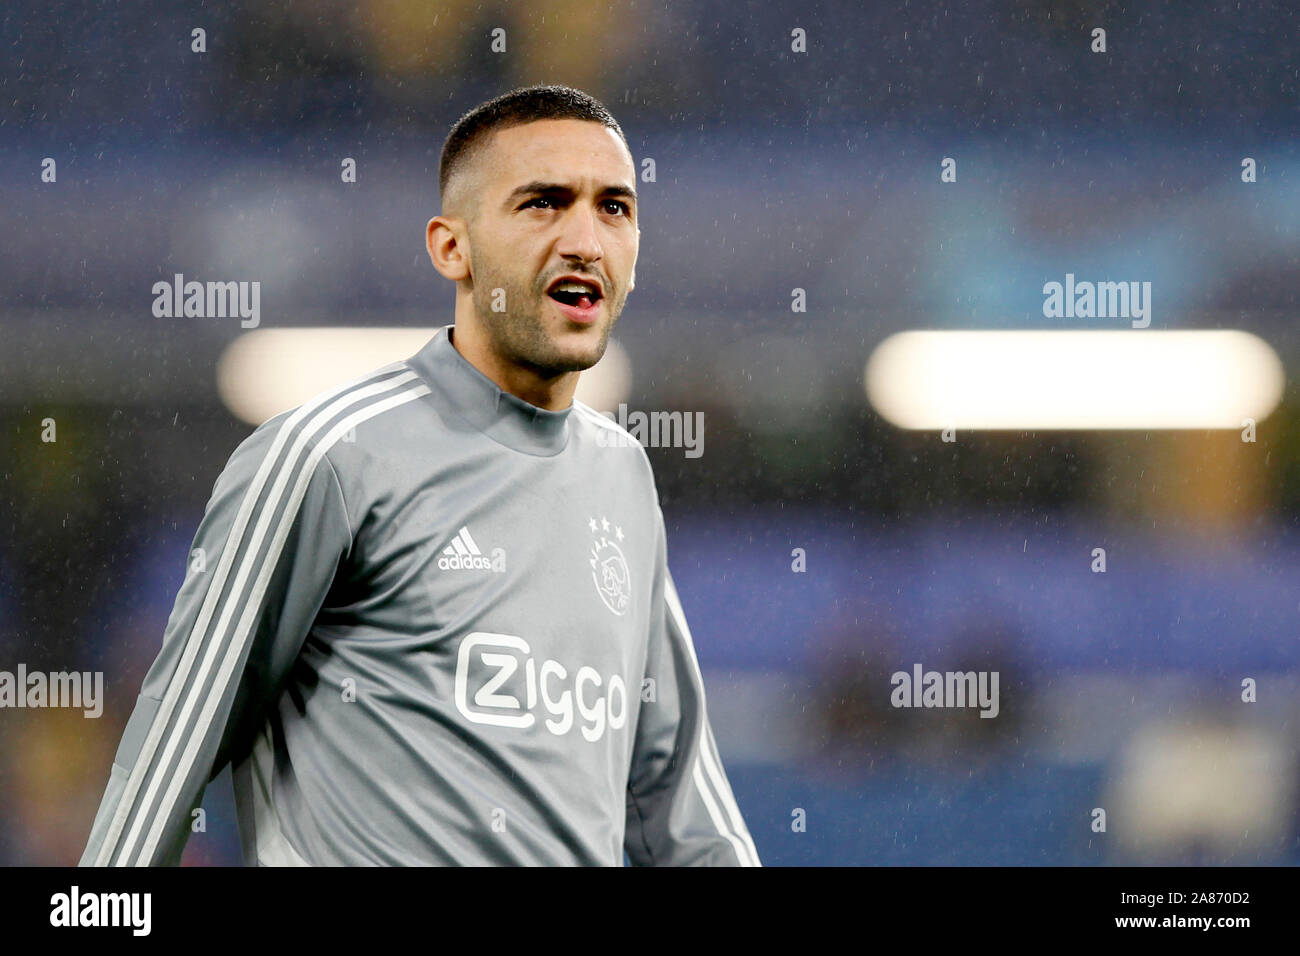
[
  {"x": 533, "y": 202},
  {"x": 619, "y": 206}
]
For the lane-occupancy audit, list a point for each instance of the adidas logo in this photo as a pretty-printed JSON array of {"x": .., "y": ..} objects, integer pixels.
[{"x": 463, "y": 555}]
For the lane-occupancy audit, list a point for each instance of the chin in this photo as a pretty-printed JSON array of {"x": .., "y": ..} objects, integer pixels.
[
  {"x": 577, "y": 361},
  {"x": 581, "y": 348}
]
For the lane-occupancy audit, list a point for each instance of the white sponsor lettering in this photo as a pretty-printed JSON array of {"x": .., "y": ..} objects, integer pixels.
[{"x": 488, "y": 662}]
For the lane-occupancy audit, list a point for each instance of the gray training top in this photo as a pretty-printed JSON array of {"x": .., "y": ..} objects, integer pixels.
[{"x": 428, "y": 623}]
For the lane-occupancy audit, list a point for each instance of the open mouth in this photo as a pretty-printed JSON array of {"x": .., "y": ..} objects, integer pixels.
[{"x": 575, "y": 293}]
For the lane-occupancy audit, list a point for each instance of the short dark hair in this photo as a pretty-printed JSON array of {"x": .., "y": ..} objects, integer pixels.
[{"x": 524, "y": 105}]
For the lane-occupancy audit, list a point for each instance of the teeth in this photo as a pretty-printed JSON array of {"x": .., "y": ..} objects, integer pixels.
[{"x": 574, "y": 287}]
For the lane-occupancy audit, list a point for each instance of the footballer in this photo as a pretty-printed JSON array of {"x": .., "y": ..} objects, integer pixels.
[{"x": 435, "y": 624}]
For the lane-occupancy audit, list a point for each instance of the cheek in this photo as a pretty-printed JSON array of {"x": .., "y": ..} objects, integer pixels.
[
  {"x": 622, "y": 249},
  {"x": 507, "y": 268}
]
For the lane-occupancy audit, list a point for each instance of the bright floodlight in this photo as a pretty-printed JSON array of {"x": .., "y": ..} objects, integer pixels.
[
  {"x": 269, "y": 371},
  {"x": 1024, "y": 380}
]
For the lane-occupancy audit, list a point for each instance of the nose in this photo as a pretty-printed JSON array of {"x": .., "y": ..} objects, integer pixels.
[{"x": 578, "y": 239}]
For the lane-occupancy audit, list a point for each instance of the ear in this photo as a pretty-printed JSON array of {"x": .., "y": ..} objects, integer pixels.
[{"x": 447, "y": 240}]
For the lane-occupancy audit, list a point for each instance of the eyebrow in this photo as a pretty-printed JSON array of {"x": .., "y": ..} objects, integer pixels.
[{"x": 538, "y": 187}]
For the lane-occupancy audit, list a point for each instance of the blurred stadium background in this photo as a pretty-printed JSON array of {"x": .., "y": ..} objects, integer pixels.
[{"x": 774, "y": 171}]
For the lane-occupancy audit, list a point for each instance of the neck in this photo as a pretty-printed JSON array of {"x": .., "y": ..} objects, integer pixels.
[{"x": 552, "y": 393}]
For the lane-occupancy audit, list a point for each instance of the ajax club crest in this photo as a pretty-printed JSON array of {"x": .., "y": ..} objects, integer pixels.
[{"x": 608, "y": 566}]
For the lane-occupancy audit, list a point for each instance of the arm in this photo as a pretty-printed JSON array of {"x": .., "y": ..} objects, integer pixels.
[
  {"x": 680, "y": 808},
  {"x": 271, "y": 539}
]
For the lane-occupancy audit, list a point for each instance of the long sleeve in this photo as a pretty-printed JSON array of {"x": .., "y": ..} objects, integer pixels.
[
  {"x": 263, "y": 560},
  {"x": 680, "y": 808}
]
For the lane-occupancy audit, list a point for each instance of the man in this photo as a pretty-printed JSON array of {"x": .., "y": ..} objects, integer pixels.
[{"x": 434, "y": 622}]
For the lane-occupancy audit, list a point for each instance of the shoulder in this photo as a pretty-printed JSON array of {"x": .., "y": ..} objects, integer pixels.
[
  {"x": 333, "y": 421},
  {"x": 592, "y": 418},
  {"x": 604, "y": 432},
  {"x": 607, "y": 433}
]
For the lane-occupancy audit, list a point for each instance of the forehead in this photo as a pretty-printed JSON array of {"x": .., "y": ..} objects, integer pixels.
[{"x": 561, "y": 150}]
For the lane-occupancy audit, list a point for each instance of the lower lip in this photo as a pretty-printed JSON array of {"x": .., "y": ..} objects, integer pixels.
[{"x": 576, "y": 313}]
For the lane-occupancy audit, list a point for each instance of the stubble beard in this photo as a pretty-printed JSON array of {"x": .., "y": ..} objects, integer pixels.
[{"x": 520, "y": 335}]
